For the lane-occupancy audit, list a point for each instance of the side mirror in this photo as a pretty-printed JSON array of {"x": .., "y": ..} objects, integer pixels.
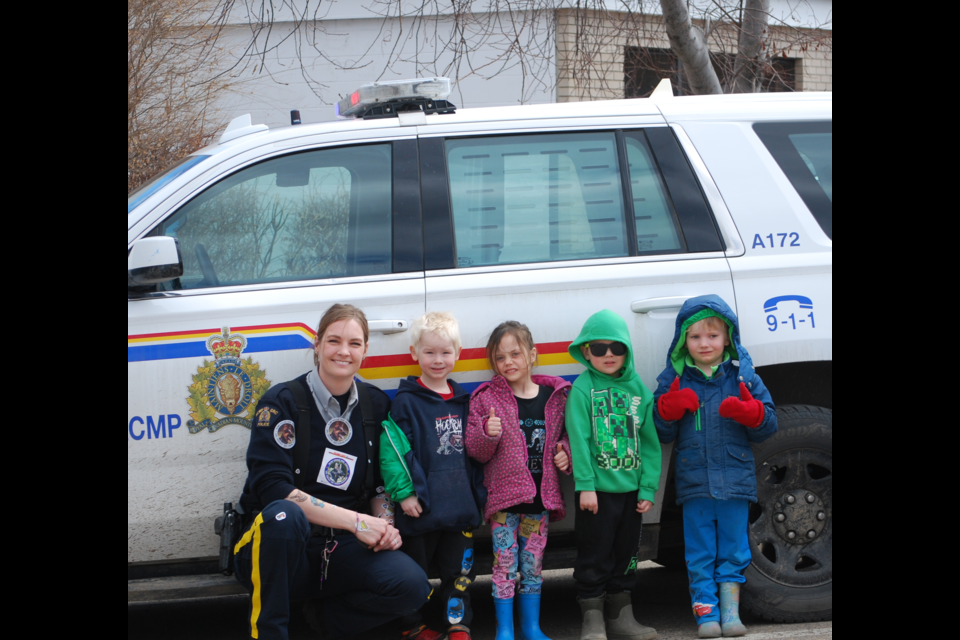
[{"x": 153, "y": 260}]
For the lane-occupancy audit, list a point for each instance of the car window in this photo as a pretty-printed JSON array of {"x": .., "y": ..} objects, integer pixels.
[
  {"x": 535, "y": 198},
  {"x": 804, "y": 151},
  {"x": 155, "y": 183},
  {"x": 657, "y": 228},
  {"x": 816, "y": 151},
  {"x": 317, "y": 214}
]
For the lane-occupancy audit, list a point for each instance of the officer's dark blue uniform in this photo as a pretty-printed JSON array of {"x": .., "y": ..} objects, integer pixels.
[{"x": 277, "y": 558}]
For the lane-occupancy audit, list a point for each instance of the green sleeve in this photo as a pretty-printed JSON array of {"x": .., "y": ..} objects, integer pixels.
[
  {"x": 578, "y": 417},
  {"x": 651, "y": 456},
  {"x": 393, "y": 447}
]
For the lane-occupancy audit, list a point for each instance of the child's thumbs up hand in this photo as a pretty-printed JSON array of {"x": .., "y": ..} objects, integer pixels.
[
  {"x": 676, "y": 402},
  {"x": 561, "y": 459},
  {"x": 493, "y": 424},
  {"x": 746, "y": 410}
]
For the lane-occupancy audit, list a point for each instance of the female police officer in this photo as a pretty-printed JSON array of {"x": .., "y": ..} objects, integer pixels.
[{"x": 311, "y": 538}]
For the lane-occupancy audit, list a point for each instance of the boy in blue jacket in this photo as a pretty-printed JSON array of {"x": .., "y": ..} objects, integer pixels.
[
  {"x": 711, "y": 401},
  {"x": 424, "y": 467}
]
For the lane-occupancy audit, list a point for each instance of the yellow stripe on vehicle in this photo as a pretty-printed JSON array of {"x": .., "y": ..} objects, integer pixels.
[
  {"x": 473, "y": 364},
  {"x": 253, "y": 533},
  {"x": 390, "y": 372},
  {"x": 547, "y": 359}
]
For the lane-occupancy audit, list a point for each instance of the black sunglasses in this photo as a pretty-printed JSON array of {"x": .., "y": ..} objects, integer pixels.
[{"x": 599, "y": 349}]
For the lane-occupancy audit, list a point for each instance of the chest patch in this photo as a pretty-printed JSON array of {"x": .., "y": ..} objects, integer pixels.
[
  {"x": 339, "y": 432},
  {"x": 336, "y": 470}
]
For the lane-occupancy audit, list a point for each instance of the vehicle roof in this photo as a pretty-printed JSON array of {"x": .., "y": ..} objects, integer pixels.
[{"x": 746, "y": 106}]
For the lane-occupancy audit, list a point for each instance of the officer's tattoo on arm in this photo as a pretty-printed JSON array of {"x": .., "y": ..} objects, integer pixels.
[{"x": 299, "y": 496}]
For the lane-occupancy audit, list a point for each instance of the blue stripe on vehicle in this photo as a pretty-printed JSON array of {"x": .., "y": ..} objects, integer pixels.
[{"x": 197, "y": 349}]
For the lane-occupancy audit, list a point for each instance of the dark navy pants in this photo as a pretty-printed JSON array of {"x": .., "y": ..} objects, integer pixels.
[
  {"x": 453, "y": 553},
  {"x": 279, "y": 563},
  {"x": 717, "y": 550},
  {"x": 608, "y": 544}
]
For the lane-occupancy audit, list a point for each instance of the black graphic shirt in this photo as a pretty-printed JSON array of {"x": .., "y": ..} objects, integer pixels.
[{"x": 533, "y": 422}]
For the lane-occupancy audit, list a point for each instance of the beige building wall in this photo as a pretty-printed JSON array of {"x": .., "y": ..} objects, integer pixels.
[{"x": 591, "y": 48}]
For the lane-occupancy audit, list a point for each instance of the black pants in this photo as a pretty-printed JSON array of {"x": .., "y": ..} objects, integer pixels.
[
  {"x": 453, "y": 553},
  {"x": 279, "y": 563},
  {"x": 608, "y": 544}
]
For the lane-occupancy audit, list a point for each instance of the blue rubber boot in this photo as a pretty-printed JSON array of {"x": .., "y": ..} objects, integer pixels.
[
  {"x": 730, "y": 610},
  {"x": 530, "y": 616},
  {"x": 504, "y": 609}
]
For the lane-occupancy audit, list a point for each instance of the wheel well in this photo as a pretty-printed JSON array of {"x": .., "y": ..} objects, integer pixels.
[{"x": 799, "y": 383}]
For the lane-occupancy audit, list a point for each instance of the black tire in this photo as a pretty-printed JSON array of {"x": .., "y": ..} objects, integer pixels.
[{"x": 791, "y": 527}]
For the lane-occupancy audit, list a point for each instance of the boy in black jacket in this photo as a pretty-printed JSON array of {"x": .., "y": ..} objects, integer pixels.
[{"x": 425, "y": 469}]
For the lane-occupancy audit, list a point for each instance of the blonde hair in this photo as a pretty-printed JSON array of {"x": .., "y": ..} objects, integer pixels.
[
  {"x": 336, "y": 313},
  {"x": 440, "y": 323},
  {"x": 710, "y": 323},
  {"x": 519, "y": 331}
]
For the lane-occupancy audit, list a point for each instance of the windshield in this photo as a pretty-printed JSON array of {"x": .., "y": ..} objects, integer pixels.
[{"x": 151, "y": 186}]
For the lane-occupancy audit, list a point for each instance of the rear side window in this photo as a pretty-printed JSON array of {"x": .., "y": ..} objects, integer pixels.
[
  {"x": 318, "y": 214},
  {"x": 536, "y": 198},
  {"x": 804, "y": 150},
  {"x": 657, "y": 229}
]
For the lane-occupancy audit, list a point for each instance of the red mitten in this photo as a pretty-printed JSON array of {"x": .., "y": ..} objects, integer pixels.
[
  {"x": 676, "y": 402},
  {"x": 745, "y": 409}
]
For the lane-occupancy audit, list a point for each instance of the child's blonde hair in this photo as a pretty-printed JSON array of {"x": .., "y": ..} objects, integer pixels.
[
  {"x": 439, "y": 323},
  {"x": 710, "y": 323}
]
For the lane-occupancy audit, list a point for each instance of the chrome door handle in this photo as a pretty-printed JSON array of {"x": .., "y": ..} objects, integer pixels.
[
  {"x": 654, "y": 304},
  {"x": 388, "y": 326}
]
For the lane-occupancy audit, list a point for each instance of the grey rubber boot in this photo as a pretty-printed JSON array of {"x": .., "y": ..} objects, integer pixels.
[
  {"x": 730, "y": 610},
  {"x": 592, "y": 609},
  {"x": 621, "y": 625},
  {"x": 709, "y": 630}
]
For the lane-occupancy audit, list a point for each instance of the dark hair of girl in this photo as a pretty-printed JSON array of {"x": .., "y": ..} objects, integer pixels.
[{"x": 518, "y": 330}]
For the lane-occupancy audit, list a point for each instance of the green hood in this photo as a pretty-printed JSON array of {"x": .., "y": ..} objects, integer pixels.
[
  {"x": 604, "y": 325},
  {"x": 680, "y": 352}
]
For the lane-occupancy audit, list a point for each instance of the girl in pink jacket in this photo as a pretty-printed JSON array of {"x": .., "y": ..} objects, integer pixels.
[{"x": 515, "y": 428}]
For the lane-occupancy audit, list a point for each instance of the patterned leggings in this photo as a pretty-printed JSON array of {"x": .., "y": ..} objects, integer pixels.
[{"x": 508, "y": 547}]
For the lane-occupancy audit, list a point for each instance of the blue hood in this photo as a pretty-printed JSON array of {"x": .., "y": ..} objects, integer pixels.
[{"x": 717, "y": 305}]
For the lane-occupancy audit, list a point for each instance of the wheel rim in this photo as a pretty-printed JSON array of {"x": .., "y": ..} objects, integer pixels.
[{"x": 790, "y": 526}]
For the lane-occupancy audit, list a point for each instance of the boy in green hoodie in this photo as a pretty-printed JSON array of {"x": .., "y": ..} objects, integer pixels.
[{"x": 616, "y": 468}]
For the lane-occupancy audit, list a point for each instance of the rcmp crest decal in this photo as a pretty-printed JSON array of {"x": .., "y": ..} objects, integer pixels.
[{"x": 226, "y": 390}]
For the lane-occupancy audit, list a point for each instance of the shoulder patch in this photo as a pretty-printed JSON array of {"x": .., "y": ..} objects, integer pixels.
[
  {"x": 285, "y": 434},
  {"x": 265, "y": 416}
]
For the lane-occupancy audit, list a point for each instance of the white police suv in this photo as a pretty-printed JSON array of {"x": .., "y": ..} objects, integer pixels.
[{"x": 542, "y": 214}]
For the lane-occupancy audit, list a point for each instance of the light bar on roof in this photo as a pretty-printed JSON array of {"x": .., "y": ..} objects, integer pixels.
[{"x": 369, "y": 95}]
